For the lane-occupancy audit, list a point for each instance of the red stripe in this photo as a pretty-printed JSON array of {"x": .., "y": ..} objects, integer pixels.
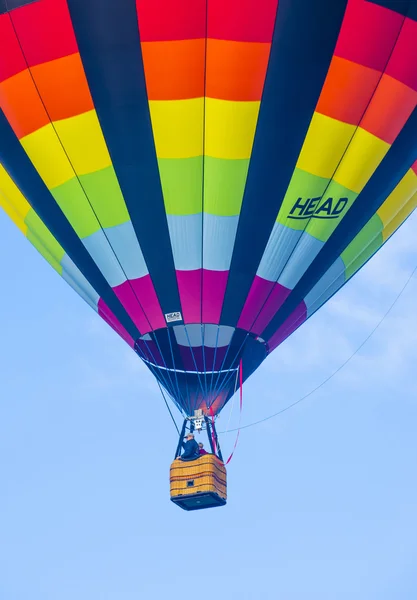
[
  {"x": 242, "y": 20},
  {"x": 163, "y": 20},
  {"x": 45, "y": 31},
  {"x": 368, "y": 34},
  {"x": 403, "y": 63},
  {"x": 11, "y": 57}
]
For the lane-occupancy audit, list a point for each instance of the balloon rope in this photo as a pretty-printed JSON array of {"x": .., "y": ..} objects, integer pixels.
[
  {"x": 241, "y": 408},
  {"x": 280, "y": 412},
  {"x": 167, "y": 405},
  {"x": 233, "y": 401}
]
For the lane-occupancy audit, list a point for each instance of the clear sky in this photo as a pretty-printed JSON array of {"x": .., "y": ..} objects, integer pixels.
[{"x": 322, "y": 500}]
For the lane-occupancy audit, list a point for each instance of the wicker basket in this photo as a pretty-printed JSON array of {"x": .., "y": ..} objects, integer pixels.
[{"x": 199, "y": 483}]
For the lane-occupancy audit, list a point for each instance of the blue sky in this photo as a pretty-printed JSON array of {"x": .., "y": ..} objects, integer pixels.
[{"x": 322, "y": 500}]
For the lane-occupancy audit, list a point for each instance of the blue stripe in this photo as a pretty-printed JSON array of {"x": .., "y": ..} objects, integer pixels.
[
  {"x": 108, "y": 40},
  {"x": 219, "y": 237},
  {"x": 78, "y": 282},
  {"x": 399, "y": 6},
  {"x": 281, "y": 244},
  {"x": 305, "y": 251},
  {"x": 328, "y": 285},
  {"x": 123, "y": 240},
  {"x": 185, "y": 232},
  {"x": 21, "y": 170},
  {"x": 9, "y": 5},
  {"x": 391, "y": 170},
  {"x": 303, "y": 44}
]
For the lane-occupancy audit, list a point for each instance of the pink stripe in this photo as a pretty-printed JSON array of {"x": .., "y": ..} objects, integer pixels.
[
  {"x": 189, "y": 286},
  {"x": 294, "y": 321},
  {"x": 264, "y": 299},
  {"x": 214, "y": 288},
  {"x": 106, "y": 314},
  {"x": 140, "y": 301}
]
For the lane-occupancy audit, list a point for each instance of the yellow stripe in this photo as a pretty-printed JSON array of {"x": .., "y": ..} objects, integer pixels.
[
  {"x": 399, "y": 204},
  {"x": 325, "y": 143},
  {"x": 364, "y": 154},
  {"x": 48, "y": 157},
  {"x": 400, "y": 217},
  {"x": 230, "y": 128},
  {"x": 84, "y": 142},
  {"x": 75, "y": 143},
  {"x": 178, "y": 127},
  {"x": 399, "y": 197},
  {"x": 12, "y": 201}
]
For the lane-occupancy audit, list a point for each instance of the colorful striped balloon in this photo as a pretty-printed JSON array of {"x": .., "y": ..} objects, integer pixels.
[{"x": 206, "y": 174}]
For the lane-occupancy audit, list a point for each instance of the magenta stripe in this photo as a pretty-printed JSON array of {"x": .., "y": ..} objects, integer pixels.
[
  {"x": 189, "y": 286},
  {"x": 296, "y": 319},
  {"x": 214, "y": 288},
  {"x": 140, "y": 301},
  {"x": 275, "y": 300},
  {"x": 106, "y": 314},
  {"x": 264, "y": 299}
]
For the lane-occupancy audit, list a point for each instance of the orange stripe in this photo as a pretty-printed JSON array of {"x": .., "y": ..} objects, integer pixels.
[
  {"x": 236, "y": 70},
  {"x": 20, "y": 102},
  {"x": 174, "y": 70},
  {"x": 347, "y": 90},
  {"x": 63, "y": 87},
  {"x": 390, "y": 109}
]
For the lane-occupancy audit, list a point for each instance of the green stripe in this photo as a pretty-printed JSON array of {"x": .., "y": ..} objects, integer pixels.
[
  {"x": 308, "y": 194},
  {"x": 182, "y": 180},
  {"x": 363, "y": 246},
  {"x": 224, "y": 185},
  {"x": 102, "y": 190}
]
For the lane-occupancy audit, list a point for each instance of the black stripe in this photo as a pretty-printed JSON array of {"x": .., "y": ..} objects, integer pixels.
[
  {"x": 399, "y": 6},
  {"x": 21, "y": 170},
  {"x": 303, "y": 44},
  {"x": 392, "y": 169},
  {"x": 108, "y": 40}
]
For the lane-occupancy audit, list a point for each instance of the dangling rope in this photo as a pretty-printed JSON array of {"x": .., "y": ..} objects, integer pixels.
[
  {"x": 311, "y": 392},
  {"x": 213, "y": 437}
]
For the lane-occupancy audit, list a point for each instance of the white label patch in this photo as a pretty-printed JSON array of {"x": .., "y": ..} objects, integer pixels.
[{"x": 172, "y": 317}]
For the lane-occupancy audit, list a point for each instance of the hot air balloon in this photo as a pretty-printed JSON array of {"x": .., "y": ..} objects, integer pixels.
[{"x": 206, "y": 174}]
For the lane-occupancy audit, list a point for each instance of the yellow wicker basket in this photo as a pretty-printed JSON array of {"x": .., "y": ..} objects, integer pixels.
[{"x": 199, "y": 483}]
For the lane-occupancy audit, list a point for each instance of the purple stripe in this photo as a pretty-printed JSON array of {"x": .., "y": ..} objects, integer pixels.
[
  {"x": 203, "y": 364},
  {"x": 149, "y": 351},
  {"x": 296, "y": 319}
]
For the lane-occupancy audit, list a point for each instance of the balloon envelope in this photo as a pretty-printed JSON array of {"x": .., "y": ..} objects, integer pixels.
[{"x": 207, "y": 174}]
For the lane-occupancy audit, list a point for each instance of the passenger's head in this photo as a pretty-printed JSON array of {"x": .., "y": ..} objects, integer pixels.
[
  {"x": 200, "y": 445},
  {"x": 190, "y": 436}
]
